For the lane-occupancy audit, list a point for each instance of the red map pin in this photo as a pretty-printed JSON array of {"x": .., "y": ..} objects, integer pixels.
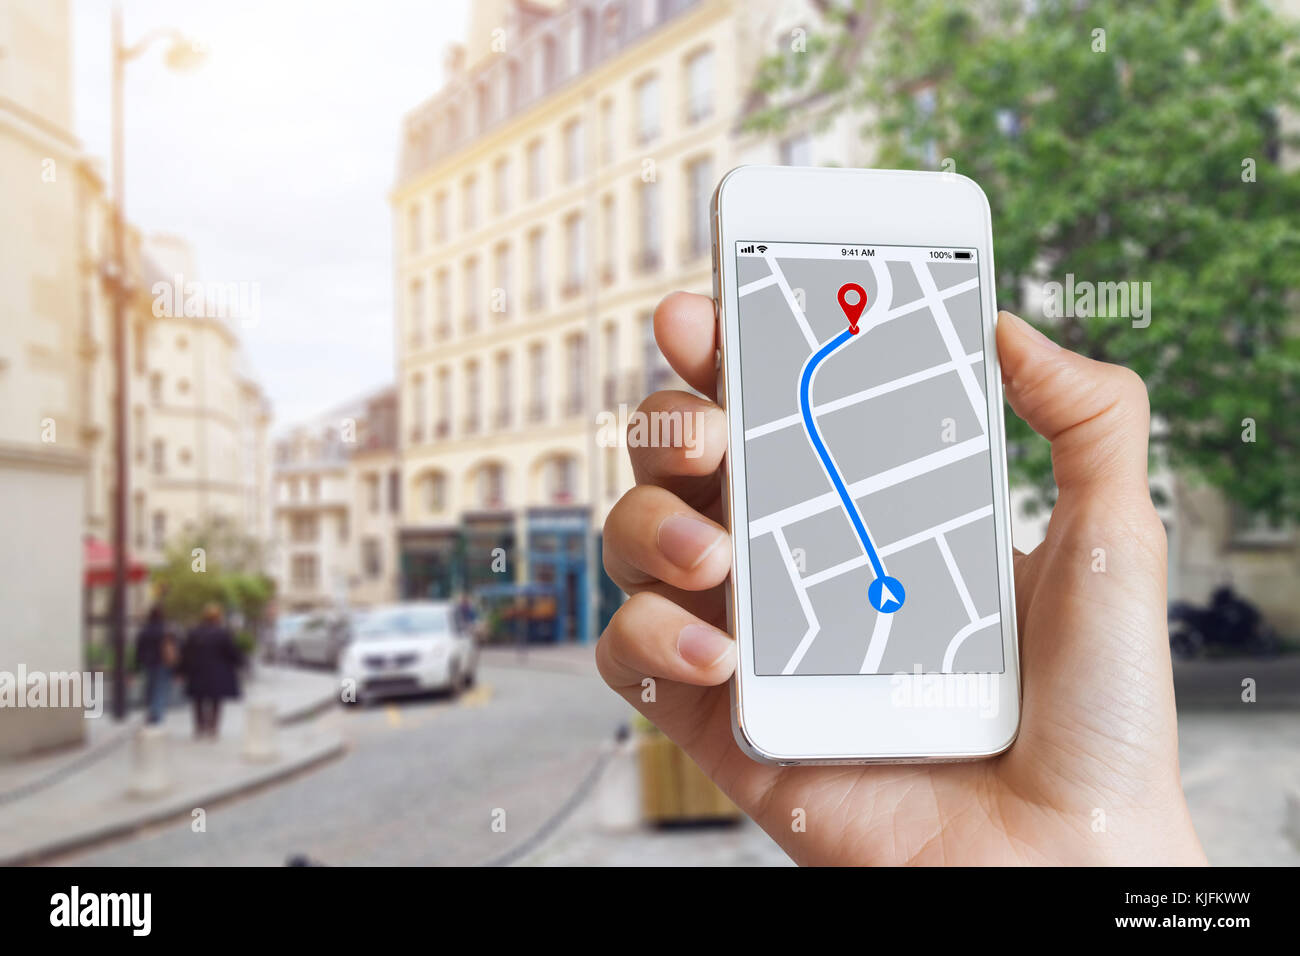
[{"x": 853, "y": 309}]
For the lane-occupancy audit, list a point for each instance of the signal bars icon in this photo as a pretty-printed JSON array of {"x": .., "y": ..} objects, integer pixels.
[{"x": 749, "y": 250}]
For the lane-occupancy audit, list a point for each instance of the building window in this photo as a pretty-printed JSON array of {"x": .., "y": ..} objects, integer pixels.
[
  {"x": 536, "y": 269},
  {"x": 372, "y": 559},
  {"x": 575, "y": 46},
  {"x": 418, "y": 405},
  {"x": 441, "y": 217},
  {"x": 433, "y": 489},
  {"x": 137, "y": 519},
  {"x": 504, "y": 389},
  {"x": 394, "y": 491},
  {"x": 653, "y": 363},
  {"x": 609, "y": 348},
  {"x": 443, "y": 427},
  {"x": 491, "y": 481},
  {"x": 536, "y": 169},
  {"x": 699, "y": 86},
  {"x": 608, "y": 239},
  {"x": 575, "y": 360},
  {"x": 473, "y": 396},
  {"x": 469, "y": 203},
  {"x": 444, "y": 304},
  {"x": 414, "y": 228},
  {"x": 575, "y": 254},
  {"x": 304, "y": 529},
  {"x": 611, "y": 472},
  {"x": 372, "y": 494},
  {"x": 313, "y": 488},
  {"x": 647, "y": 109},
  {"x": 416, "y": 312},
  {"x": 156, "y": 388},
  {"x": 648, "y": 256},
  {"x": 304, "y": 571},
  {"x": 501, "y": 186},
  {"x": 537, "y": 382},
  {"x": 159, "y": 457},
  {"x": 699, "y": 187},
  {"x": 342, "y": 528},
  {"x": 501, "y": 280},
  {"x": 159, "y": 530},
  {"x": 607, "y": 141},
  {"x": 573, "y": 151},
  {"x": 561, "y": 479},
  {"x": 472, "y": 303},
  {"x": 796, "y": 151}
]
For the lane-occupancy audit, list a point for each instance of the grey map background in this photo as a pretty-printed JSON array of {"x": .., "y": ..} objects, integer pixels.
[{"x": 900, "y": 408}]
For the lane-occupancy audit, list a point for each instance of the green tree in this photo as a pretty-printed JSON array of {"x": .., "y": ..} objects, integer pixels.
[
  {"x": 217, "y": 564},
  {"x": 1117, "y": 142}
]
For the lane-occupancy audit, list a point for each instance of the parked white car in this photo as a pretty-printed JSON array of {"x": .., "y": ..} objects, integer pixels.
[
  {"x": 410, "y": 648},
  {"x": 314, "y": 638}
]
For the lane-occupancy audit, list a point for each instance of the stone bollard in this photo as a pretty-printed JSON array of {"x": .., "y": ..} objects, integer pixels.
[
  {"x": 149, "y": 770},
  {"x": 259, "y": 730}
]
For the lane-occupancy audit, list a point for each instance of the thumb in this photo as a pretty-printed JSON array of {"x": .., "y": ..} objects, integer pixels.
[{"x": 1096, "y": 415}]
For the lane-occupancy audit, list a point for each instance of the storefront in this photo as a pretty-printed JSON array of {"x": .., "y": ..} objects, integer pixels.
[
  {"x": 432, "y": 563},
  {"x": 489, "y": 548},
  {"x": 557, "y": 559}
]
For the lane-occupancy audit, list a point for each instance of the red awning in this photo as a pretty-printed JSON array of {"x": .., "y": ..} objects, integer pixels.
[{"x": 98, "y": 559}]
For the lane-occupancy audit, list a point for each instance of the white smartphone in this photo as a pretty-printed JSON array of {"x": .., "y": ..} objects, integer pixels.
[{"x": 871, "y": 592}]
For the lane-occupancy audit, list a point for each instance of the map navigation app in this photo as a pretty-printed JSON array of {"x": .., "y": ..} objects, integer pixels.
[{"x": 869, "y": 476}]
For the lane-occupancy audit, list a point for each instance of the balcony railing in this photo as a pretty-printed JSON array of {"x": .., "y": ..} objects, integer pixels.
[
  {"x": 572, "y": 287},
  {"x": 443, "y": 331},
  {"x": 471, "y": 425},
  {"x": 536, "y": 299},
  {"x": 469, "y": 322},
  {"x": 502, "y": 418},
  {"x": 442, "y": 429},
  {"x": 536, "y": 412},
  {"x": 573, "y": 404},
  {"x": 607, "y": 274}
]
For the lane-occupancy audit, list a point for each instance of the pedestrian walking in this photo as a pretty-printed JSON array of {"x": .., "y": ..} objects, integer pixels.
[
  {"x": 156, "y": 656},
  {"x": 211, "y": 663}
]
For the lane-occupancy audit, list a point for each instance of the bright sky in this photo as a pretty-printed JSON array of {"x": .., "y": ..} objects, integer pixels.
[{"x": 275, "y": 159}]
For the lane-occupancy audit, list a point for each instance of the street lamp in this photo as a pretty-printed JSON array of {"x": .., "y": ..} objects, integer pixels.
[{"x": 182, "y": 55}]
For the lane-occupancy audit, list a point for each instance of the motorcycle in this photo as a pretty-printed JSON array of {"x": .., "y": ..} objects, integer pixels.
[{"x": 1229, "y": 625}]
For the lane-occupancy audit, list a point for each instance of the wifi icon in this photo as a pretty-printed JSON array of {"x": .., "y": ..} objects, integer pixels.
[{"x": 762, "y": 249}]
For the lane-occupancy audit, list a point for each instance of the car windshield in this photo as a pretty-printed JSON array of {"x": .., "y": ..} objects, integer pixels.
[
  {"x": 290, "y": 625},
  {"x": 402, "y": 621}
]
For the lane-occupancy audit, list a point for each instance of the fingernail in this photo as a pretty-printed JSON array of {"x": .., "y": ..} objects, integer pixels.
[
  {"x": 686, "y": 541},
  {"x": 1032, "y": 334},
  {"x": 702, "y": 645}
]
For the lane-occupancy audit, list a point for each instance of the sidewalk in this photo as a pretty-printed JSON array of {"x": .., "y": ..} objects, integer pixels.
[{"x": 55, "y": 803}]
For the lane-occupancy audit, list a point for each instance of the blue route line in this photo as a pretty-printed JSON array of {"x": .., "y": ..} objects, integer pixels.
[{"x": 805, "y": 407}]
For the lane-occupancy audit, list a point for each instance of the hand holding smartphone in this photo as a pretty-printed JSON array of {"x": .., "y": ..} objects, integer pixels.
[{"x": 871, "y": 594}]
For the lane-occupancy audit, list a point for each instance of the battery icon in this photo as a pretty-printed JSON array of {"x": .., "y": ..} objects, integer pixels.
[{"x": 962, "y": 255}]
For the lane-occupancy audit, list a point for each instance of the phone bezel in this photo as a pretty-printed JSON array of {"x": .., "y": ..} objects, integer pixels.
[{"x": 790, "y": 719}]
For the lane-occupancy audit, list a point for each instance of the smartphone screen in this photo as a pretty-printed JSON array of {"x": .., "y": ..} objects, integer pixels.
[{"x": 868, "y": 470}]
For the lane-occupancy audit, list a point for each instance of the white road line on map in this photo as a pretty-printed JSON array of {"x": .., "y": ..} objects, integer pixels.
[
  {"x": 939, "y": 309},
  {"x": 757, "y": 284},
  {"x": 902, "y": 544},
  {"x": 876, "y": 646},
  {"x": 869, "y": 485},
  {"x": 786, "y": 291},
  {"x": 810, "y": 616},
  {"x": 957, "y": 639},
  {"x": 835, "y": 404},
  {"x": 962, "y": 591}
]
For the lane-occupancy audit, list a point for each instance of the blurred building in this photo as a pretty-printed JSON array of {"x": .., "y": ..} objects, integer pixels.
[
  {"x": 546, "y": 199},
  {"x": 337, "y": 496},
  {"x": 45, "y": 432}
]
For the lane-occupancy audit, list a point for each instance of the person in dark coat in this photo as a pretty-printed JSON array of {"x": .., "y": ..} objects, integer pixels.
[
  {"x": 156, "y": 654},
  {"x": 211, "y": 663}
]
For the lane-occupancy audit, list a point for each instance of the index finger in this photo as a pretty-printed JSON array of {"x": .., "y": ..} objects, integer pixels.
[{"x": 686, "y": 329}]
